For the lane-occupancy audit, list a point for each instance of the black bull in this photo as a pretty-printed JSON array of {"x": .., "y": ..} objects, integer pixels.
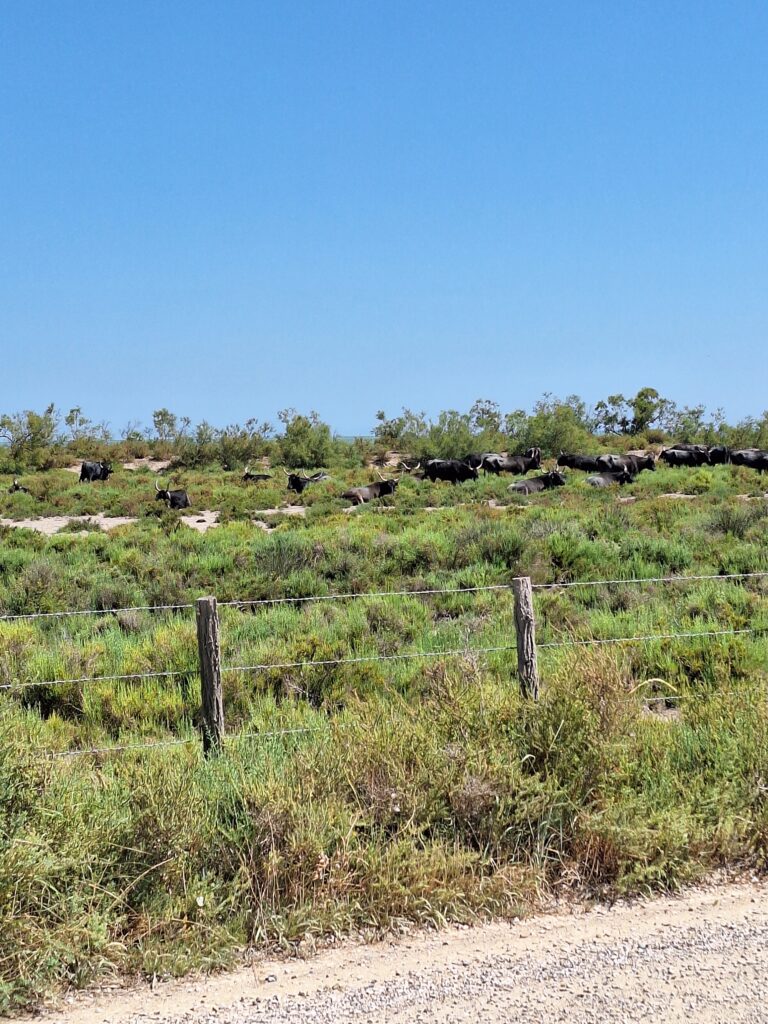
[
  {"x": 298, "y": 483},
  {"x": 90, "y": 471},
  {"x": 453, "y": 471},
  {"x": 378, "y": 489},
  {"x": 174, "y": 499}
]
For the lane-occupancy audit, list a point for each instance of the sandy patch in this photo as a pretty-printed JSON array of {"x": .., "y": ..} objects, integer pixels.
[
  {"x": 287, "y": 510},
  {"x": 680, "y": 496},
  {"x": 154, "y": 465},
  {"x": 50, "y": 525},
  {"x": 202, "y": 521}
]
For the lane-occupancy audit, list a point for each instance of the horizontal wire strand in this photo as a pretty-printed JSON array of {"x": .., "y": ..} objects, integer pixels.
[
  {"x": 405, "y": 656},
  {"x": 638, "y": 639},
  {"x": 248, "y": 602},
  {"x": 96, "y": 611},
  {"x": 97, "y": 679}
]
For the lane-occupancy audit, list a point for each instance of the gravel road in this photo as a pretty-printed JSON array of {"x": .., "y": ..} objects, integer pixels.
[{"x": 700, "y": 957}]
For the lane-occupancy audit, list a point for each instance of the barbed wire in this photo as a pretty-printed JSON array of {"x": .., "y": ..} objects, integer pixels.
[
  {"x": 650, "y": 579},
  {"x": 649, "y": 637},
  {"x": 98, "y": 679},
  {"x": 638, "y": 699},
  {"x": 402, "y": 656},
  {"x": 407, "y": 655},
  {"x": 431, "y": 591},
  {"x": 356, "y": 596},
  {"x": 96, "y": 611}
]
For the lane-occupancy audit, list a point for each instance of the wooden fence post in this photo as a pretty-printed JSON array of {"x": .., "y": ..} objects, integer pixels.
[
  {"x": 210, "y": 674},
  {"x": 525, "y": 625}
]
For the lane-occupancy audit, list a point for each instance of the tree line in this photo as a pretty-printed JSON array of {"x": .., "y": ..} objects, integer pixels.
[{"x": 49, "y": 438}]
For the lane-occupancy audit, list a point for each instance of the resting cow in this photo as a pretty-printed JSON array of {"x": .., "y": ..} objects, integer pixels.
[
  {"x": 248, "y": 476},
  {"x": 17, "y": 488},
  {"x": 378, "y": 489},
  {"x": 538, "y": 483},
  {"x": 298, "y": 483},
  {"x": 619, "y": 477}
]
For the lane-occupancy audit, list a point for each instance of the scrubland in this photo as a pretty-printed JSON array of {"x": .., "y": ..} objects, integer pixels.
[{"x": 350, "y": 797}]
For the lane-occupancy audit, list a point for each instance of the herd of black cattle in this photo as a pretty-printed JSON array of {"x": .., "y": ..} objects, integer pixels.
[{"x": 604, "y": 470}]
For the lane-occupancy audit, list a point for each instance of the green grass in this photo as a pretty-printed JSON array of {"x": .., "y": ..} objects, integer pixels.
[{"x": 423, "y": 789}]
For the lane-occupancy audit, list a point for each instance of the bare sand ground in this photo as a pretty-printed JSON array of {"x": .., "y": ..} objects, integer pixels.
[
  {"x": 49, "y": 525},
  {"x": 201, "y": 521},
  {"x": 702, "y": 956},
  {"x": 154, "y": 465}
]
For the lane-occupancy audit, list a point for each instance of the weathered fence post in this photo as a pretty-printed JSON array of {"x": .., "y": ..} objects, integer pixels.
[
  {"x": 525, "y": 625},
  {"x": 210, "y": 674}
]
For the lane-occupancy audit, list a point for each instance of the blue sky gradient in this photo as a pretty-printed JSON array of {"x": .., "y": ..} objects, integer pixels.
[{"x": 228, "y": 208}]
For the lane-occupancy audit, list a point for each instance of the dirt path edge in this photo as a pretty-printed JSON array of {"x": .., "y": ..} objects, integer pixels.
[{"x": 353, "y": 965}]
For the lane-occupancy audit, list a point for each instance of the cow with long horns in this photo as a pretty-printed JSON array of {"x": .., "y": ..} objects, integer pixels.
[
  {"x": 298, "y": 483},
  {"x": 454, "y": 471},
  {"x": 516, "y": 464},
  {"x": 249, "y": 477},
  {"x": 380, "y": 488},
  {"x": 174, "y": 499},
  {"x": 545, "y": 482}
]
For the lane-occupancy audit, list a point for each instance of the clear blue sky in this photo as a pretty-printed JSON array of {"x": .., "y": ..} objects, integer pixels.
[{"x": 232, "y": 207}]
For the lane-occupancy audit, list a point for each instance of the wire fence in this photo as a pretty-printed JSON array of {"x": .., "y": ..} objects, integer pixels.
[
  {"x": 366, "y": 595},
  {"x": 399, "y": 656}
]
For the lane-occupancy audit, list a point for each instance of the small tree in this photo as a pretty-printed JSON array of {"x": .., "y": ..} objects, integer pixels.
[
  {"x": 619, "y": 415},
  {"x": 29, "y": 435},
  {"x": 306, "y": 441},
  {"x": 83, "y": 432},
  {"x": 555, "y": 425}
]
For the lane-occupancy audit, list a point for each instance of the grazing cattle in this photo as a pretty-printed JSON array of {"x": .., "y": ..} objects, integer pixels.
[
  {"x": 620, "y": 477},
  {"x": 90, "y": 471},
  {"x": 174, "y": 499},
  {"x": 631, "y": 463},
  {"x": 517, "y": 464},
  {"x": 708, "y": 455},
  {"x": 378, "y": 489},
  {"x": 248, "y": 476},
  {"x": 17, "y": 488},
  {"x": 299, "y": 483},
  {"x": 753, "y": 458},
  {"x": 685, "y": 447},
  {"x": 719, "y": 455},
  {"x": 587, "y": 463},
  {"x": 684, "y": 457},
  {"x": 538, "y": 483},
  {"x": 453, "y": 471}
]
